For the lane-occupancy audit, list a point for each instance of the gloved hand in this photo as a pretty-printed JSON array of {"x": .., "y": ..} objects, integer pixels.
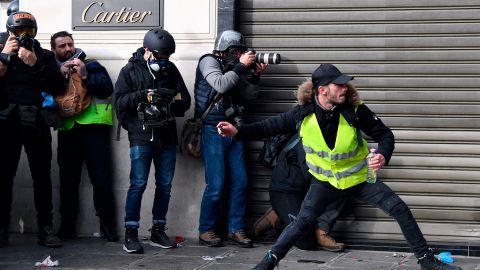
[{"x": 48, "y": 101}]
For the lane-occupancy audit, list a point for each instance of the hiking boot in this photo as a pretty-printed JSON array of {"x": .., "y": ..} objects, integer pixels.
[
  {"x": 429, "y": 262},
  {"x": 269, "y": 221},
  {"x": 210, "y": 239},
  {"x": 108, "y": 230},
  {"x": 67, "y": 231},
  {"x": 268, "y": 262},
  {"x": 47, "y": 238},
  {"x": 3, "y": 237},
  {"x": 159, "y": 238},
  {"x": 131, "y": 244},
  {"x": 327, "y": 242},
  {"x": 240, "y": 239}
]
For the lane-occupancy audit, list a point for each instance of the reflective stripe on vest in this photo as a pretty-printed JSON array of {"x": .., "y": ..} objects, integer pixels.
[
  {"x": 99, "y": 112},
  {"x": 345, "y": 165}
]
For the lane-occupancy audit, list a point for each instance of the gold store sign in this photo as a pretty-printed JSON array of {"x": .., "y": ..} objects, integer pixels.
[{"x": 116, "y": 14}]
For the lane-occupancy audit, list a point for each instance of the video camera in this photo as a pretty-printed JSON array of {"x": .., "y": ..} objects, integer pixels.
[
  {"x": 163, "y": 106},
  {"x": 270, "y": 58}
]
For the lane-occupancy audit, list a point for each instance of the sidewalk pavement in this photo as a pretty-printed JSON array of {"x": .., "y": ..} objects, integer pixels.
[{"x": 95, "y": 253}]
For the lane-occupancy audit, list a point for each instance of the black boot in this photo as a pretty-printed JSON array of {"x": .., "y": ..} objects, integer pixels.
[
  {"x": 268, "y": 262},
  {"x": 429, "y": 262},
  {"x": 132, "y": 245},
  {"x": 47, "y": 238},
  {"x": 159, "y": 238},
  {"x": 108, "y": 229}
]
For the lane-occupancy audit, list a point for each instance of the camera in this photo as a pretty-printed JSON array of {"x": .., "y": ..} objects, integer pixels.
[
  {"x": 26, "y": 42},
  {"x": 270, "y": 58},
  {"x": 163, "y": 106},
  {"x": 235, "y": 114}
]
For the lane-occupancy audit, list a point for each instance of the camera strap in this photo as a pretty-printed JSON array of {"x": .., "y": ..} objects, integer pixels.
[{"x": 215, "y": 99}]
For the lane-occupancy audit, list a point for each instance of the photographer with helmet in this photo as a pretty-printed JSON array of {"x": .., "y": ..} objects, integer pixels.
[
  {"x": 149, "y": 93},
  {"x": 25, "y": 71},
  {"x": 220, "y": 80}
]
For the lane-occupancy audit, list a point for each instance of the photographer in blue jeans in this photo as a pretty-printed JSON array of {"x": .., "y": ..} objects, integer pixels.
[
  {"x": 149, "y": 94},
  {"x": 222, "y": 74}
]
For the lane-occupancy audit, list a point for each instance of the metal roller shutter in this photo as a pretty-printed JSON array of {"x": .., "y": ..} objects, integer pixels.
[{"x": 417, "y": 65}]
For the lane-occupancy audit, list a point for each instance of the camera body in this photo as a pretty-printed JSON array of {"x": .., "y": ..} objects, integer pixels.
[
  {"x": 270, "y": 58},
  {"x": 235, "y": 114},
  {"x": 162, "y": 107},
  {"x": 26, "y": 42}
]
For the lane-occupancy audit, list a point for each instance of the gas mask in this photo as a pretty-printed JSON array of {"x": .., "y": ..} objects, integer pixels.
[{"x": 158, "y": 64}]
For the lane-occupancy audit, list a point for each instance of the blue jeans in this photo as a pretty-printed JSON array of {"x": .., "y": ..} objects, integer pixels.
[
  {"x": 221, "y": 155},
  {"x": 141, "y": 157}
]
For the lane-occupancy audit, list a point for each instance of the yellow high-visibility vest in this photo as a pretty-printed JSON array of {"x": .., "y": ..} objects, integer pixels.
[
  {"x": 99, "y": 112},
  {"x": 345, "y": 165}
]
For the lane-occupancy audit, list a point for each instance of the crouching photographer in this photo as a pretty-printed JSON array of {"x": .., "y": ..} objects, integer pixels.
[{"x": 149, "y": 93}]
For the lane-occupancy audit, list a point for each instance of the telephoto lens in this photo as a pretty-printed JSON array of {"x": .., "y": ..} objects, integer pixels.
[{"x": 268, "y": 58}]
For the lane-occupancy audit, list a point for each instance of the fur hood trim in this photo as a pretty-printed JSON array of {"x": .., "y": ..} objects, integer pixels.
[{"x": 304, "y": 93}]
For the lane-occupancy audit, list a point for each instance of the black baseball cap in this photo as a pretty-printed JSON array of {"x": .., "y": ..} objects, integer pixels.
[{"x": 328, "y": 73}]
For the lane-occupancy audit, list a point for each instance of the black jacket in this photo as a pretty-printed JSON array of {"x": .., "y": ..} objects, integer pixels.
[
  {"x": 130, "y": 91},
  {"x": 288, "y": 122},
  {"x": 23, "y": 84},
  {"x": 290, "y": 175}
]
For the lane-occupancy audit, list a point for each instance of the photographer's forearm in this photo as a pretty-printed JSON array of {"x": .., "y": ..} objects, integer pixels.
[{"x": 212, "y": 72}]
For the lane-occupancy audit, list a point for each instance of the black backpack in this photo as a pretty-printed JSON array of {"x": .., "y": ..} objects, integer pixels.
[{"x": 273, "y": 145}]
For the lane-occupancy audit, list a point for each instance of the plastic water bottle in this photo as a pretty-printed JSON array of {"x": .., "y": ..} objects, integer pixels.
[{"x": 371, "y": 174}]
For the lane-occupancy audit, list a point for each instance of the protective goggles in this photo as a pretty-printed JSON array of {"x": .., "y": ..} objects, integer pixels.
[{"x": 27, "y": 31}]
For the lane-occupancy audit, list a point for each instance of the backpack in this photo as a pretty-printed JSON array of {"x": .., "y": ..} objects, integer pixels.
[
  {"x": 272, "y": 148},
  {"x": 75, "y": 99},
  {"x": 274, "y": 145}
]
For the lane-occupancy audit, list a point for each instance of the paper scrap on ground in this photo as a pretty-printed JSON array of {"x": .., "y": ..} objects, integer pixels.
[
  {"x": 47, "y": 263},
  {"x": 210, "y": 258}
]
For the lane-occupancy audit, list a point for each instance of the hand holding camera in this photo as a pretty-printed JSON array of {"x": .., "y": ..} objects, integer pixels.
[
  {"x": 74, "y": 66},
  {"x": 28, "y": 57},
  {"x": 247, "y": 58}
]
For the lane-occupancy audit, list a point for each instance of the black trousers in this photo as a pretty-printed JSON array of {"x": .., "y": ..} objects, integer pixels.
[
  {"x": 89, "y": 144},
  {"x": 35, "y": 137},
  {"x": 380, "y": 195},
  {"x": 287, "y": 206}
]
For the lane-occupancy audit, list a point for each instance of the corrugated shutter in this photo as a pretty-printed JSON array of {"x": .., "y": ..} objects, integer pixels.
[{"x": 417, "y": 65}]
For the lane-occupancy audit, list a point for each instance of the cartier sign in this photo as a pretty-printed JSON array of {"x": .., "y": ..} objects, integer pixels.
[{"x": 116, "y": 14}]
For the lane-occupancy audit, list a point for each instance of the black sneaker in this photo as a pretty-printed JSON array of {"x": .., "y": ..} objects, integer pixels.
[
  {"x": 159, "y": 238},
  {"x": 3, "y": 237},
  {"x": 429, "y": 262},
  {"x": 132, "y": 245},
  {"x": 268, "y": 262},
  {"x": 47, "y": 238},
  {"x": 108, "y": 230}
]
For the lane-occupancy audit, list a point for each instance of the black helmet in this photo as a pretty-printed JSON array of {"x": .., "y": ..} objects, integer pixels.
[
  {"x": 12, "y": 7},
  {"x": 228, "y": 39},
  {"x": 22, "y": 23},
  {"x": 159, "y": 41}
]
